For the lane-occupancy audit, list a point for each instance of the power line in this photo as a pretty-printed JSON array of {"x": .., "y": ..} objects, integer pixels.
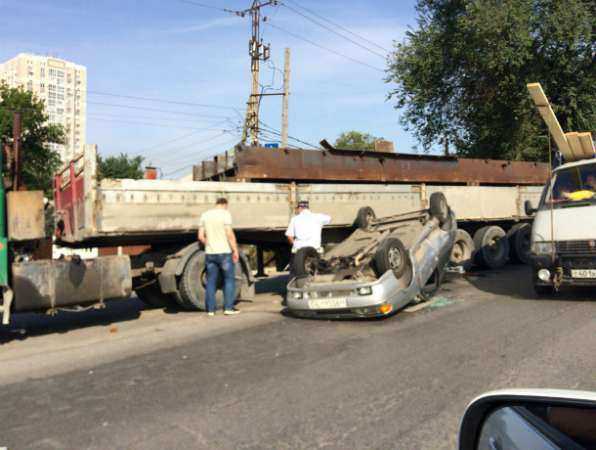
[
  {"x": 161, "y": 119},
  {"x": 173, "y": 152},
  {"x": 316, "y": 22},
  {"x": 335, "y": 24},
  {"x": 143, "y": 108},
  {"x": 297, "y": 36},
  {"x": 204, "y": 5},
  {"x": 160, "y": 100},
  {"x": 278, "y": 133},
  {"x": 149, "y": 124}
]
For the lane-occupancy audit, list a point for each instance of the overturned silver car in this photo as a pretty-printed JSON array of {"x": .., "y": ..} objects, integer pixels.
[{"x": 380, "y": 268}]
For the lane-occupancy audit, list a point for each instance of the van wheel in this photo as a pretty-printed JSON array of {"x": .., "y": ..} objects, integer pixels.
[
  {"x": 364, "y": 218},
  {"x": 152, "y": 296},
  {"x": 392, "y": 255},
  {"x": 192, "y": 283},
  {"x": 520, "y": 242},
  {"x": 306, "y": 262},
  {"x": 492, "y": 247},
  {"x": 438, "y": 207},
  {"x": 463, "y": 250}
]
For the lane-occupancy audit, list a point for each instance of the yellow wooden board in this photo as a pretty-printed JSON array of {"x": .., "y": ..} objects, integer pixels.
[{"x": 587, "y": 144}]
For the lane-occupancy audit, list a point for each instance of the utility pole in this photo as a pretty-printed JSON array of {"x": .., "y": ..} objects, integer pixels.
[
  {"x": 16, "y": 148},
  {"x": 258, "y": 52},
  {"x": 284, "y": 110}
]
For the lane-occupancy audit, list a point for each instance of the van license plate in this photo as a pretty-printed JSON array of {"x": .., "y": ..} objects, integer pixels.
[
  {"x": 583, "y": 273},
  {"x": 328, "y": 303}
]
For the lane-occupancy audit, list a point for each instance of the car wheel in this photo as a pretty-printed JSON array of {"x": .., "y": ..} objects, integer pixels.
[
  {"x": 392, "y": 255},
  {"x": 492, "y": 247},
  {"x": 364, "y": 218},
  {"x": 306, "y": 262},
  {"x": 463, "y": 250},
  {"x": 520, "y": 242},
  {"x": 438, "y": 207},
  {"x": 192, "y": 283}
]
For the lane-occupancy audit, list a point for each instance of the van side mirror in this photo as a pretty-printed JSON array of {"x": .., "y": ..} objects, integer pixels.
[
  {"x": 530, "y": 418},
  {"x": 529, "y": 209}
]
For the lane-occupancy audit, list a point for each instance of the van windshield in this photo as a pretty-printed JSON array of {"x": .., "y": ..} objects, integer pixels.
[{"x": 574, "y": 186}]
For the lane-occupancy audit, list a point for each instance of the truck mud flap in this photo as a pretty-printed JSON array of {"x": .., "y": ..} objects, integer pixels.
[{"x": 46, "y": 284}]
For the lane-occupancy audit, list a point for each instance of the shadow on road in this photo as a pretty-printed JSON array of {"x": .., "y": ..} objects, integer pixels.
[
  {"x": 515, "y": 281},
  {"x": 25, "y": 325}
]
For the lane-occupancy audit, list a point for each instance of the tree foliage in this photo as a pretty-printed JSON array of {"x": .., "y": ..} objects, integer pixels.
[
  {"x": 39, "y": 162},
  {"x": 121, "y": 166},
  {"x": 355, "y": 140},
  {"x": 462, "y": 73}
]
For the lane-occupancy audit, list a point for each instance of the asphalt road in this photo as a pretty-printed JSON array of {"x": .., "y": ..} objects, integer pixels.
[{"x": 261, "y": 380}]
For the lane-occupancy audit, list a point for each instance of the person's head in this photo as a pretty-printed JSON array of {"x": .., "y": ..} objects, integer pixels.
[
  {"x": 221, "y": 203},
  {"x": 591, "y": 181},
  {"x": 302, "y": 206}
]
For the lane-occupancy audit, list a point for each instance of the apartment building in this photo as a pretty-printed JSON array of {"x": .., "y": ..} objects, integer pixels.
[{"x": 62, "y": 85}]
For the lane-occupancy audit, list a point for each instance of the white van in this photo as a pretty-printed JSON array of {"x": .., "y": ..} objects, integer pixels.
[{"x": 564, "y": 230}]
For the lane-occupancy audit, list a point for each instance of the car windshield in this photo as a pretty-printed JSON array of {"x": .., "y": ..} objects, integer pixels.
[{"x": 574, "y": 186}]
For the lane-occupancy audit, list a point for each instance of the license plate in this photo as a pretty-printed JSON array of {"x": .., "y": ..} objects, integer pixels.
[
  {"x": 583, "y": 273},
  {"x": 328, "y": 303}
]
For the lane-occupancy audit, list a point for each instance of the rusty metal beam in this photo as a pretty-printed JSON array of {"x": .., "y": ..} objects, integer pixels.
[{"x": 257, "y": 163}]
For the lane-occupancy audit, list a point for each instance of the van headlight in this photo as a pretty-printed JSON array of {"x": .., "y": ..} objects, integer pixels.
[
  {"x": 297, "y": 295},
  {"x": 542, "y": 248}
]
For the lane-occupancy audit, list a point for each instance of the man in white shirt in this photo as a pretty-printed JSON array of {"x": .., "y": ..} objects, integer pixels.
[
  {"x": 305, "y": 230},
  {"x": 221, "y": 254}
]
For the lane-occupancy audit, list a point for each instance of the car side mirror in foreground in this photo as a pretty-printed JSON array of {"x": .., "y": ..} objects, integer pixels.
[
  {"x": 529, "y": 209},
  {"x": 530, "y": 419}
]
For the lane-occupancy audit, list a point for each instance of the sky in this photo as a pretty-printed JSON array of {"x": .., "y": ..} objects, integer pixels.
[{"x": 196, "y": 59}]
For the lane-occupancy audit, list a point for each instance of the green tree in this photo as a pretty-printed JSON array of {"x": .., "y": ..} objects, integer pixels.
[
  {"x": 121, "y": 166},
  {"x": 355, "y": 140},
  {"x": 39, "y": 162},
  {"x": 462, "y": 73}
]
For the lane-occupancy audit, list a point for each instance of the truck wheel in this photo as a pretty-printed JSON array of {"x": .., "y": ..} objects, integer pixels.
[
  {"x": 392, "y": 255},
  {"x": 438, "y": 207},
  {"x": 306, "y": 262},
  {"x": 520, "y": 242},
  {"x": 152, "y": 296},
  {"x": 192, "y": 283},
  {"x": 364, "y": 217},
  {"x": 492, "y": 247},
  {"x": 433, "y": 284},
  {"x": 463, "y": 250}
]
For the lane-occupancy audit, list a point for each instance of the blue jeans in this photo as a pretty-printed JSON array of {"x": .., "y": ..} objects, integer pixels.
[{"x": 223, "y": 263}]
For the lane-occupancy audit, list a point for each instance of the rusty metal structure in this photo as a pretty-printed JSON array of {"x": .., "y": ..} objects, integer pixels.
[{"x": 337, "y": 165}]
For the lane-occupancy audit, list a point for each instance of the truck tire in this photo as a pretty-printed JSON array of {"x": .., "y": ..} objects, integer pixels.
[
  {"x": 520, "y": 236},
  {"x": 438, "y": 207},
  {"x": 392, "y": 255},
  {"x": 152, "y": 296},
  {"x": 492, "y": 247},
  {"x": 305, "y": 263},
  {"x": 463, "y": 250},
  {"x": 191, "y": 284},
  {"x": 364, "y": 218}
]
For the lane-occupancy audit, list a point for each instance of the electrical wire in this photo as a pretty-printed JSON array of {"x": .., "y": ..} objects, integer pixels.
[
  {"x": 149, "y": 124},
  {"x": 178, "y": 157},
  {"x": 142, "y": 108},
  {"x": 297, "y": 36},
  {"x": 204, "y": 5},
  {"x": 335, "y": 24},
  {"x": 316, "y": 22}
]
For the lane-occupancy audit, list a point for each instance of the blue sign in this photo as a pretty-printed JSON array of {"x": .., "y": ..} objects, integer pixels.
[{"x": 272, "y": 145}]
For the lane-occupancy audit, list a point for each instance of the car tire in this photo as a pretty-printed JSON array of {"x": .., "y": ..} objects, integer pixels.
[
  {"x": 492, "y": 247},
  {"x": 191, "y": 284},
  {"x": 433, "y": 284},
  {"x": 462, "y": 253},
  {"x": 438, "y": 207},
  {"x": 520, "y": 237},
  {"x": 305, "y": 262},
  {"x": 364, "y": 218},
  {"x": 152, "y": 296},
  {"x": 392, "y": 255}
]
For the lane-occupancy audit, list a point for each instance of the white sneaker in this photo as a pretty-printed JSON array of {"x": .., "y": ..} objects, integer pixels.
[
  {"x": 211, "y": 313},
  {"x": 231, "y": 312}
]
